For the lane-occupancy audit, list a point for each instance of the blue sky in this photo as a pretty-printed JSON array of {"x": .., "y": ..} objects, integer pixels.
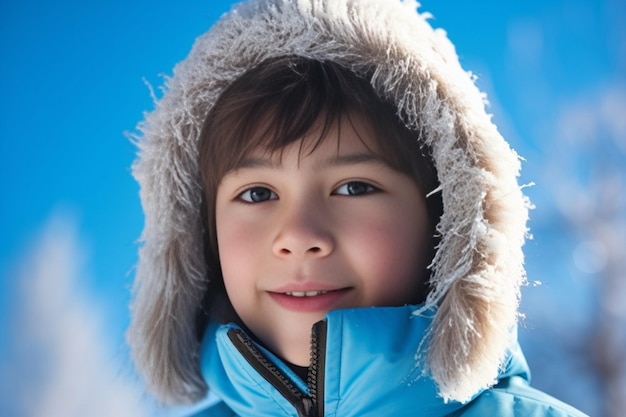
[{"x": 73, "y": 82}]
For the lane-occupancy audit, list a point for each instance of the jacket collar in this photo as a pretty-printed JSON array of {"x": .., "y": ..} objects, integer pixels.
[{"x": 370, "y": 368}]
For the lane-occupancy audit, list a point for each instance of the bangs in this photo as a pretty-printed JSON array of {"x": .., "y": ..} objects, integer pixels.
[{"x": 295, "y": 96}]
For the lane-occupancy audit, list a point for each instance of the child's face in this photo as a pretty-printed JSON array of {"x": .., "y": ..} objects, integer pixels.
[{"x": 306, "y": 233}]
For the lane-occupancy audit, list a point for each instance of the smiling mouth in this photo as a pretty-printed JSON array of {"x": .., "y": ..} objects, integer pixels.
[
  {"x": 305, "y": 293},
  {"x": 310, "y": 301}
]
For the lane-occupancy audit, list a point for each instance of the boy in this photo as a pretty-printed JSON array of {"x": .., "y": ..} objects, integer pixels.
[{"x": 333, "y": 224}]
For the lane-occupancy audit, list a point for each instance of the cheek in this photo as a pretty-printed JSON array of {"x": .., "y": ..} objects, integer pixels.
[
  {"x": 236, "y": 241},
  {"x": 390, "y": 256},
  {"x": 238, "y": 265}
]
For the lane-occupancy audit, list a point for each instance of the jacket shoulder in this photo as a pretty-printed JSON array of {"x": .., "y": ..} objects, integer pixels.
[{"x": 513, "y": 397}]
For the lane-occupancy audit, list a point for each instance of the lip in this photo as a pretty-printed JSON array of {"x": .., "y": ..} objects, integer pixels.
[
  {"x": 328, "y": 299},
  {"x": 306, "y": 287}
]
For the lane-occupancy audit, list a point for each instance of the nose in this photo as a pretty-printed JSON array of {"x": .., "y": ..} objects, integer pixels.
[{"x": 303, "y": 231}]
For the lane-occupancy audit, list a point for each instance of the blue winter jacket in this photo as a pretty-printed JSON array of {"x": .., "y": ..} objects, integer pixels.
[{"x": 363, "y": 364}]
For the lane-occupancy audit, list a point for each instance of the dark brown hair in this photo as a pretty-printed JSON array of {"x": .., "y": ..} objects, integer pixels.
[{"x": 279, "y": 102}]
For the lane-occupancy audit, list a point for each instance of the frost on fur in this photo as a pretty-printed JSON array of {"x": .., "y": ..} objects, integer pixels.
[{"x": 478, "y": 267}]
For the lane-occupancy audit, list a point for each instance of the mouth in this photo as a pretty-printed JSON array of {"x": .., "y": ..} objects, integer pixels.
[
  {"x": 310, "y": 301},
  {"x": 306, "y": 293}
]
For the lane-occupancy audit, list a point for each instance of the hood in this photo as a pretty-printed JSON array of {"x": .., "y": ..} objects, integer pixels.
[{"x": 478, "y": 268}]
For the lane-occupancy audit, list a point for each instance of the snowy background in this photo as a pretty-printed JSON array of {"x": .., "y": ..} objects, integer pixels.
[{"x": 73, "y": 81}]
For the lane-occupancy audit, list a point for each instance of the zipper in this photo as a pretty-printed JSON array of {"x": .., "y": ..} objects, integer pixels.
[
  {"x": 306, "y": 405},
  {"x": 315, "y": 378}
]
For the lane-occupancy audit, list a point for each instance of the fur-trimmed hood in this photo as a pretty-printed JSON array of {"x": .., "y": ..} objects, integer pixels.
[{"x": 478, "y": 269}]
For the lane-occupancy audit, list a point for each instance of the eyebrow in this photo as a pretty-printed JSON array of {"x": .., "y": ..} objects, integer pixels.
[{"x": 337, "y": 161}]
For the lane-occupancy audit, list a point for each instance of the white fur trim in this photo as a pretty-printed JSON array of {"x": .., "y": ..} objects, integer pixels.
[{"x": 478, "y": 268}]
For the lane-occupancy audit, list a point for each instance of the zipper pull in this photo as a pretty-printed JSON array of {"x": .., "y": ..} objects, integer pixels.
[{"x": 307, "y": 409}]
